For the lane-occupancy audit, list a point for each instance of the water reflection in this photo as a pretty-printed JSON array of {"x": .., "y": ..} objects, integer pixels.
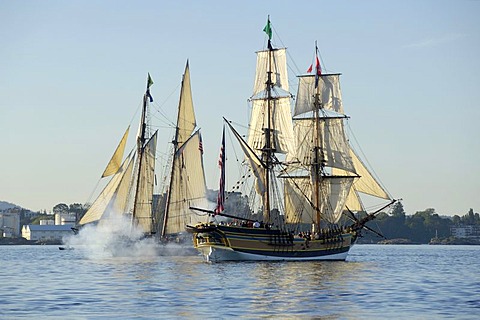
[{"x": 376, "y": 282}]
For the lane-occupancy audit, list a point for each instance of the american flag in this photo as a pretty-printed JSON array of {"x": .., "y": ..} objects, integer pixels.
[
  {"x": 221, "y": 164},
  {"x": 200, "y": 143}
]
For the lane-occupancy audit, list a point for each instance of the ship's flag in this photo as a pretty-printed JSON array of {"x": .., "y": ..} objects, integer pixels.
[
  {"x": 149, "y": 83},
  {"x": 268, "y": 29},
  {"x": 200, "y": 143},
  {"x": 310, "y": 68},
  {"x": 318, "y": 72},
  {"x": 221, "y": 164}
]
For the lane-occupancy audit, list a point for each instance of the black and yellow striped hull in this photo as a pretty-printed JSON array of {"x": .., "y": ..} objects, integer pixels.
[{"x": 230, "y": 243}]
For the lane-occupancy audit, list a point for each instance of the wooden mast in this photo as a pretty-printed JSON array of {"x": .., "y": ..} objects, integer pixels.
[
  {"x": 175, "y": 148},
  {"x": 267, "y": 151},
  {"x": 319, "y": 157},
  {"x": 140, "y": 151}
]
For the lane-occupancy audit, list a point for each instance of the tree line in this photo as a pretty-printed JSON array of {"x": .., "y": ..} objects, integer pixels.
[{"x": 418, "y": 228}]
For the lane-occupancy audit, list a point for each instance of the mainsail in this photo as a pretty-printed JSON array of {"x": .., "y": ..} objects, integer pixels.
[
  {"x": 187, "y": 187},
  {"x": 144, "y": 195}
]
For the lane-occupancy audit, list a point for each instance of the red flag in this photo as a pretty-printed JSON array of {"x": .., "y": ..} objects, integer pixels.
[
  {"x": 318, "y": 72},
  {"x": 318, "y": 68},
  {"x": 310, "y": 68}
]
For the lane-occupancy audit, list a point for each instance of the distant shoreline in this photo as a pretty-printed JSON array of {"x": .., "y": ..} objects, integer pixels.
[
  {"x": 400, "y": 241},
  {"x": 23, "y": 241}
]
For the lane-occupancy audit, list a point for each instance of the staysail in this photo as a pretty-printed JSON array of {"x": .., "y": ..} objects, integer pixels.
[
  {"x": 116, "y": 160},
  {"x": 113, "y": 197},
  {"x": 365, "y": 183}
]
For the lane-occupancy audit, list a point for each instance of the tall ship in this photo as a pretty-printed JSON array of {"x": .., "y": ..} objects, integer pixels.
[
  {"x": 306, "y": 174},
  {"x": 129, "y": 192}
]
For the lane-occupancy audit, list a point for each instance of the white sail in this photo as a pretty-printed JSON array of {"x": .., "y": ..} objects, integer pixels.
[
  {"x": 186, "y": 116},
  {"x": 279, "y": 72},
  {"x": 280, "y": 111},
  {"x": 331, "y": 140},
  {"x": 367, "y": 183},
  {"x": 116, "y": 160},
  {"x": 282, "y": 139},
  {"x": 112, "y": 199},
  {"x": 298, "y": 209},
  {"x": 354, "y": 203},
  {"x": 330, "y": 95},
  {"x": 299, "y": 195},
  {"x": 120, "y": 200},
  {"x": 188, "y": 187},
  {"x": 333, "y": 195},
  {"x": 256, "y": 165},
  {"x": 143, "y": 201},
  {"x": 364, "y": 183}
]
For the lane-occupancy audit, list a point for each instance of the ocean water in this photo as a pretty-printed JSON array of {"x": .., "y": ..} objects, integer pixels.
[{"x": 376, "y": 282}]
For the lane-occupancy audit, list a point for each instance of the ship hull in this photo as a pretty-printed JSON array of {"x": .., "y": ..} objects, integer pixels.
[{"x": 228, "y": 243}]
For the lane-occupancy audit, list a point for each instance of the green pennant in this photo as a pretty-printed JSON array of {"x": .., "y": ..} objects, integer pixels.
[
  {"x": 268, "y": 29},
  {"x": 149, "y": 81}
]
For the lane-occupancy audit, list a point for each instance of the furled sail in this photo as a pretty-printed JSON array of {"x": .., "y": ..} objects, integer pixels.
[
  {"x": 116, "y": 160},
  {"x": 280, "y": 112},
  {"x": 112, "y": 199},
  {"x": 188, "y": 187}
]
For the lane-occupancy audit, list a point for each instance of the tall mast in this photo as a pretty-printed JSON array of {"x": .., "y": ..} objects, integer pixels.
[
  {"x": 319, "y": 157},
  {"x": 141, "y": 148},
  {"x": 267, "y": 151},
  {"x": 175, "y": 148}
]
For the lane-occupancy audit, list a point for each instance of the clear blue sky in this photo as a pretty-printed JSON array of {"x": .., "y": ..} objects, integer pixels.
[{"x": 72, "y": 74}]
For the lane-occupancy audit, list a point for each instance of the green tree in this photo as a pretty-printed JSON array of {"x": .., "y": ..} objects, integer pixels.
[
  {"x": 42, "y": 217},
  {"x": 456, "y": 220},
  {"x": 78, "y": 209},
  {"x": 60, "y": 208}
]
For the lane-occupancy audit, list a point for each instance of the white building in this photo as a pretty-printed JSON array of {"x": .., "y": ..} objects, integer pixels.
[
  {"x": 466, "y": 231},
  {"x": 48, "y": 232},
  {"x": 9, "y": 224},
  {"x": 65, "y": 218}
]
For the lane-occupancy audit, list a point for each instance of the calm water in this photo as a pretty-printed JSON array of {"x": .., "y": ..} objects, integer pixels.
[{"x": 377, "y": 282}]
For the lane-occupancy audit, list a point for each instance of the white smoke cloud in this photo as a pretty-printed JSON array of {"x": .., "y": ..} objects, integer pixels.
[{"x": 115, "y": 236}]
